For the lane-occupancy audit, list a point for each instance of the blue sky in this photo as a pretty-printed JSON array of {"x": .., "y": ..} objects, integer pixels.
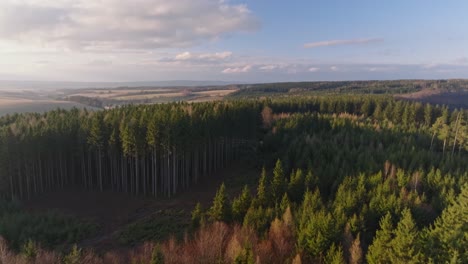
[{"x": 252, "y": 40}]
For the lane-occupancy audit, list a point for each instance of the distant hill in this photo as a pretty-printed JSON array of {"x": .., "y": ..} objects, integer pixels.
[{"x": 43, "y": 85}]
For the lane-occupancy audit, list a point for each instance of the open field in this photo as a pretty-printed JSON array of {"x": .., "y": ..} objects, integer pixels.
[
  {"x": 30, "y": 100},
  {"x": 9, "y": 105},
  {"x": 147, "y": 95}
]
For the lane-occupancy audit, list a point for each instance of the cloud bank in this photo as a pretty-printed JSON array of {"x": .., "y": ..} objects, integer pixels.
[
  {"x": 341, "y": 42},
  {"x": 116, "y": 24}
]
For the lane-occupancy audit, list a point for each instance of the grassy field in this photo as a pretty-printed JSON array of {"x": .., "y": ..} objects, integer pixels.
[
  {"x": 139, "y": 95},
  {"x": 10, "y": 105}
]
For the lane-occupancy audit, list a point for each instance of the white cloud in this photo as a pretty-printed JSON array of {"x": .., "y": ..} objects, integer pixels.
[
  {"x": 430, "y": 65},
  {"x": 329, "y": 43},
  {"x": 244, "y": 69},
  {"x": 202, "y": 57},
  {"x": 313, "y": 69},
  {"x": 334, "y": 68},
  {"x": 183, "y": 56},
  {"x": 119, "y": 24},
  {"x": 382, "y": 69},
  {"x": 268, "y": 67}
]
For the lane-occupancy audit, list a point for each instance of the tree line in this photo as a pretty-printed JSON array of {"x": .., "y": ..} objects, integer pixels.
[
  {"x": 161, "y": 149},
  {"x": 157, "y": 149}
]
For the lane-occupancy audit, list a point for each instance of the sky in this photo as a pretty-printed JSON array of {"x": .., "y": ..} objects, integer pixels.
[{"x": 232, "y": 40}]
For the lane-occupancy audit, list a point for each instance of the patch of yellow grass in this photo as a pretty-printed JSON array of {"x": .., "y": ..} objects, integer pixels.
[{"x": 215, "y": 92}]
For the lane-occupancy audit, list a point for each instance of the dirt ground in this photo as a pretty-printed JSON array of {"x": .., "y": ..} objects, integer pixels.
[{"x": 113, "y": 211}]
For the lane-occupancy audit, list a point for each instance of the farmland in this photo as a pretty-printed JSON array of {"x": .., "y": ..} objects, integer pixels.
[
  {"x": 107, "y": 98},
  {"x": 21, "y": 105},
  {"x": 13, "y": 100}
]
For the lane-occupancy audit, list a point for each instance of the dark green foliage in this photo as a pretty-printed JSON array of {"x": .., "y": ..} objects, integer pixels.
[
  {"x": 317, "y": 234},
  {"x": 262, "y": 193},
  {"x": 447, "y": 239},
  {"x": 405, "y": 246},
  {"x": 379, "y": 251},
  {"x": 367, "y": 158},
  {"x": 220, "y": 210},
  {"x": 278, "y": 183},
  {"x": 347, "y": 88},
  {"x": 241, "y": 204},
  {"x": 158, "y": 227},
  {"x": 50, "y": 229},
  {"x": 396, "y": 245},
  {"x": 296, "y": 186},
  {"x": 259, "y": 218}
]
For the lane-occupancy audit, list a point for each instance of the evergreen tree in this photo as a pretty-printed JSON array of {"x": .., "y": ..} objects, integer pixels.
[
  {"x": 447, "y": 239},
  {"x": 197, "y": 216},
  {"x": 317, "y": 234},
  {"x": 334, "y": 255},
  {"x": 285, "y": 203},
  {"x": 220, "y": 210},
  {"x": 262, "y": 195},
  {"x": 74, "y": 256},
  {"x": 278, "y": 182},
  {"x": 296, "y": 186},
  {"x": 405, "y": 247},
  {"x": 380, "y": 250},
  {"x": 241, "y": 204}
]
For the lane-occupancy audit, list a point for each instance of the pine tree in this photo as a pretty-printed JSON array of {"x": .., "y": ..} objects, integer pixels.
[
  {"x": 296, "y": 186},
  {"x": 278, "y": 182},
  {"x": 241, "y": 204},
  {"x": 334, "y": 255},
  {"x": 285, "y": 203},
  {"x": 197, "y": 216},
  {"x": 448, "y": 238},
  {"x": 262, "y": 196},
  {"x": 318, "y": 233},
  {"x": 405, "y": 248},
  {"x": 74, "y": 257},
  {"x": 379, "y": 251},
  {"x": 220, "y": 210}
]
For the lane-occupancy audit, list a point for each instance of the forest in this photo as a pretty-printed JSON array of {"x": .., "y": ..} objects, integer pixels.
[{"x": 354, "y": 178}]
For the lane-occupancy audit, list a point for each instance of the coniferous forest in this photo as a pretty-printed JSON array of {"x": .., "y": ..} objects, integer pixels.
[{"x": 340, "y": 179}]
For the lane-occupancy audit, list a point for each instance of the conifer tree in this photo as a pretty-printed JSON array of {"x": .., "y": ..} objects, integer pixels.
[
  {"x": 241, "y": 204},
  {"x": 296, "y": 186},
  {"x": 285, "y": 203},
  {"x": 448, "y": 238},
  {"x": 197, "y": 216},
  {"x": 379, "y": 251},
  {"x": 405, "y": 247},
  {"x": 262, "y": 196},
  {"x": 334, "y": 255},
  {"x": 278, "y": 182},
  {"x": 220, "y": 210}
]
